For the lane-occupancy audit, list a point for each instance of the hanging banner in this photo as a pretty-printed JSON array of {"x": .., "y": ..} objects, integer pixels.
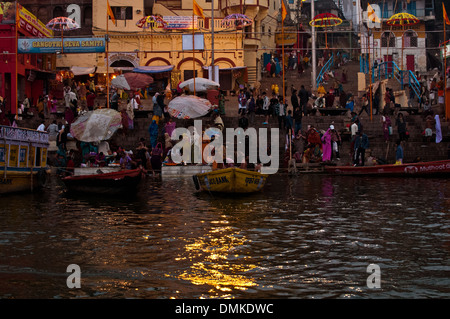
[
  {"x": 71, "y": 45},
  {"x": 29, "y": 22},
  {"x": 180, "y": 22}
]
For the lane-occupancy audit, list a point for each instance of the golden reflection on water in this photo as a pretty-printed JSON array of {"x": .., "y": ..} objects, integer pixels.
[{"x": 216, "y": 261}]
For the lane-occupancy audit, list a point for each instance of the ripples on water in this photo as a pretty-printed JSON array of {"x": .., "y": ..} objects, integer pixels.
[{"x": 303, "y": 237}]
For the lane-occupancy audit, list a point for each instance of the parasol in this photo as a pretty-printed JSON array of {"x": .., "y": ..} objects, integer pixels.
[
  {"x": 62, "y": 24},
  {"x": 189, "y": 107},
  {"x": 132, "y": 81},
  {"x": 201, "y": 85},
  {"x": 96, "y": 126},
  {"x": 325, "y": 20},
  {"x": 236, "y": 20},
  {"x": 402, "y": 19},
  {"x": 150, "y": 22}
]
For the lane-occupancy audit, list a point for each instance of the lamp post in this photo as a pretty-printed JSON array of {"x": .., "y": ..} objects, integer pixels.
[{"x": 313, "y": 50}]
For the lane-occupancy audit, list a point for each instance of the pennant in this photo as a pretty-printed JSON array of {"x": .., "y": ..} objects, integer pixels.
[
  {"x": 371, "y": 14},
  {"x": 446, "y": 20},
  {"x": 198, "y": 11},
  {"x": 111, "y": 13},
  {"x": 283, "y": 11}
]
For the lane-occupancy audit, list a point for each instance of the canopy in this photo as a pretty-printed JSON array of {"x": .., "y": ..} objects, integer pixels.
[
  {"x": 201, "y": 84},
  {"x": 79, "y": 70},
  {"x": 154, "y": 69},
  {"x": 402, "y": 19},
  {"x": 62, "y": 24},
  {"x": 131, "y": 81},
  {"x": 325, "y": 20},
  {"x": 189, "y": 107},
  {"x": 96, "y": 126}
]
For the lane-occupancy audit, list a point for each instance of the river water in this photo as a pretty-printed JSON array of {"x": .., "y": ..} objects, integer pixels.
[{"x": 310, "y": 236}]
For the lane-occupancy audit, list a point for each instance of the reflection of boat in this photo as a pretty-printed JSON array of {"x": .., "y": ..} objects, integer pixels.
[
  {"x": 230, "y": 180},
  {"x": 436, "y": 168},
  {"x": 23, "y": 159},
  {"x": 111, "y": 183}
]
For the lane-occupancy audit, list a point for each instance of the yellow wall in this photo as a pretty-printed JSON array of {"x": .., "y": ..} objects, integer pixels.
[{"x": 165, "y": 47}]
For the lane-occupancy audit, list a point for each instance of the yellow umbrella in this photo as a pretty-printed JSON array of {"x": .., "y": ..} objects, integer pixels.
[
  {"x": 402, "y": 19},
  {"x": 325, "y": 20}
]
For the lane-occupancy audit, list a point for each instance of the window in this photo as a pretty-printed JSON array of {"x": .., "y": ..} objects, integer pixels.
[
  {"x": 87, "y": 17},
  {"x": 388, "y": 40},
  {"x": 123, "y": 13},
  {"x": 410, "y": 39},
  {"x": 58, "y": 12}
]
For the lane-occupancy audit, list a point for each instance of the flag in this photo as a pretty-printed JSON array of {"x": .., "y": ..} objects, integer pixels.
[
  {"x": 111, "y": 13},
  {"x": 198, "y": 11},
  {"x": 447, "y": 21},
  {"x": 371, "y": 14},
  {"x": 283, "y": 11}
]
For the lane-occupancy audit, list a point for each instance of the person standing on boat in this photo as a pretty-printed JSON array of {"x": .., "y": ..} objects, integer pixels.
[
  {"x": 156, "y": 158},
  {"x": 361, "y": 145},
  {"x": 335, "y": 142},
  {"x": 399, "y": 153}
]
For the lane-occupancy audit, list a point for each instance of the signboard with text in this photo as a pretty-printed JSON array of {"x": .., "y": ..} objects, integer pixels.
[{"x": 54, "y": 45}]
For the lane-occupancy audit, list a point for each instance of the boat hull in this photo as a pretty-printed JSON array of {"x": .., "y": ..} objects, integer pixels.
[
  {"x": 422, "y": 169},
  {"x": 17, "y": 180},
  {"x": 120, "y": 182},
  {"x": 231, "y": 180}
]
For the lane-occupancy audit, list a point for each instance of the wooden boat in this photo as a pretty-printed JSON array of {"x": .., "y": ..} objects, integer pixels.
[
  {"x": 23, "y": 159},
  {"x": 433, "y": 169},
  {"x": 112, "y": 183},
  {"x": 230, "y": 180}
]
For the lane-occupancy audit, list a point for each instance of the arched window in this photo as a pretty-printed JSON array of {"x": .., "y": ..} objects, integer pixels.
[
  {"x": 42, "y": 14},
  {"x": 388, "y": 40},
  {"x": 58, "y": 12},
  {"x": 87, "y": 16},
  {"x": 410, "y": 39}
]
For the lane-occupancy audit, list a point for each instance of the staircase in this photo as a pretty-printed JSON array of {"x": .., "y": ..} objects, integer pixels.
[{"x": 390, "y": 70}]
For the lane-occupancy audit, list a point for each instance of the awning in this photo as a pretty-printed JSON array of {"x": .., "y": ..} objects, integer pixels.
[
  {"x": 154, "y": 69},
  {"x": 78, "y": 70}
]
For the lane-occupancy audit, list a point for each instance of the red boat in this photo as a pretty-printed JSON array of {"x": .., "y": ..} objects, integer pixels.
[
  {"x": 421, "y": 169},
  {"x": 118, "y": 182}
]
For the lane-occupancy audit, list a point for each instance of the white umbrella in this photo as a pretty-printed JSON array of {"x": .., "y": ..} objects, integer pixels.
[
  {"x": 96, "y": 126},
  {"x": 189, "y": 107},
  {"x": 201, "y": 84},
  {"x": 120, "y": 82}
]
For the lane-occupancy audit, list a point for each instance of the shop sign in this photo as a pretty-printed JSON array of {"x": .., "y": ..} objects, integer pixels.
[{"x": 71, "y": 45}]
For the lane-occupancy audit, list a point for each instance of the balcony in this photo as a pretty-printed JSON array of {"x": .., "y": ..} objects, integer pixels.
[{"x": 231, "y": 4}]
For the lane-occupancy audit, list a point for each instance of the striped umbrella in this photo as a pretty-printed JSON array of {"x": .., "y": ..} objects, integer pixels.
[
  {"x": 151, "y": 22},
  {"x": 325, "y": 20},
  {"x": 62, "y": 24},
  {"x": 402, "y": 19}
]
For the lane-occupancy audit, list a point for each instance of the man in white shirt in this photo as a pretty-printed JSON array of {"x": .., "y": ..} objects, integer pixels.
[{"x": 41, "y": 127}]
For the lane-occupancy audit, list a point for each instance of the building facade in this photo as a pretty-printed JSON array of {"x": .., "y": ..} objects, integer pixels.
[
  {"x": 22, "y": 74},
  {"x": 405, "y": 45}
]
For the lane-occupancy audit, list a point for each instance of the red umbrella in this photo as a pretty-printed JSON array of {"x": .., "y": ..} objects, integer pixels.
[
  {"x": 325, "y": 20},
  {"x": 62, "y": 24},
  {"x": 138, "y": 80}
]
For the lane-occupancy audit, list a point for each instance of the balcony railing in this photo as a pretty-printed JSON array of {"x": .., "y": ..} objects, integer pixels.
[
  {"x": 236, "y": 3},
  {"x": 418, "y": 13}
]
